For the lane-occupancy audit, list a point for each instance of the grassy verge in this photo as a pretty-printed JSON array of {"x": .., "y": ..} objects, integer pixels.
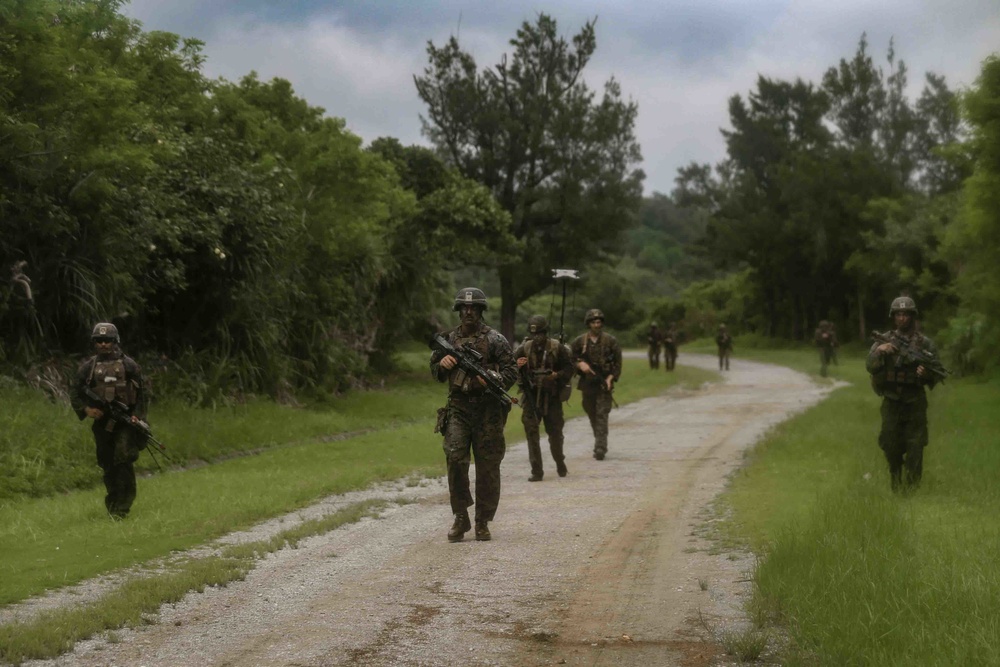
[
  {"x": 61, "y": 540},
  {"x": 54, "y": 632},
  {"x": 857, "y": 574}
]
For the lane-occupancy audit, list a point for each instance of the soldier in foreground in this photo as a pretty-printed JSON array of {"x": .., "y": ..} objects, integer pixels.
[
  {"x": 112, "y": 377},
  {"x": 725, "y": 344},
  {"x": 901, "y": 363},
  {"x": 545, "y": 369},
  {"x": 598, "y": 360},
  {"x": 654, "y": 339},
  {"x": 825, "y": 338},
  {"x": 670, "y": 347},
  {"x": 474, "y": 418}
]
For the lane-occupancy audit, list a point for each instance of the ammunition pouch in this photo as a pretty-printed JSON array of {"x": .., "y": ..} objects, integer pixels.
[
  {"x": 442, "y": 420},
  {"x": 565, "y": 392}
]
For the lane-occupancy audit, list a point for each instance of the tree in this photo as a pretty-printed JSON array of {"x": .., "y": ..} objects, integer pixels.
[{"x": 559, "y": 160}]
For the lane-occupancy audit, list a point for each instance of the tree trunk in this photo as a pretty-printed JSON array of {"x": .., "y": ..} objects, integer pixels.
[{"x": 508, "y": 303}]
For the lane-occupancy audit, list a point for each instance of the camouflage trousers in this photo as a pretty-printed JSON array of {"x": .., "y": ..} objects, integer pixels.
[
  {"x": 554, "y": 422},
  {"x": 825, "y": 358},
  {"x": 597, "y": 405},
  {"x": 654, "y": 356},
  {"x": 116, "y": 452},
  {"x": 903, "y": 438},
  {"x": 670, "y": 356},
  {"x": 475, "y": 426},
  {"x": 724, "y": 359}
]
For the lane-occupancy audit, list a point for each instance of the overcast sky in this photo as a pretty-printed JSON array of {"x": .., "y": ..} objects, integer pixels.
[{"x": 680, "y": 60}]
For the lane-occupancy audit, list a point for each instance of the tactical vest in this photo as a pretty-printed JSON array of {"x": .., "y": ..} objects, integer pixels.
[
  {"x": 107, "y": 378},
  {"x": 548, "y": 358},
  {"x": 458, "y": 379}
]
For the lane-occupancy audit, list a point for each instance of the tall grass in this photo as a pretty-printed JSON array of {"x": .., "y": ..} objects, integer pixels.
[{"x": 861, "y": 576}]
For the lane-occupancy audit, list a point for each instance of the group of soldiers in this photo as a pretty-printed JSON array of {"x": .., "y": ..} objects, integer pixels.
[
  {"x": 665, "y": 340},
  {"x": 472, "y": 423},
  {"x": 110, "y": 389}
]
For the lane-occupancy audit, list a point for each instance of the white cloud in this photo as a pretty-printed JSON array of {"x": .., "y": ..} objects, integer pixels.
[{"x": 681, "y": 61}]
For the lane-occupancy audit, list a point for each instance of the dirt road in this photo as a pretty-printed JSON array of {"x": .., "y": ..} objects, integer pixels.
[{"x": 602, "y": 567}]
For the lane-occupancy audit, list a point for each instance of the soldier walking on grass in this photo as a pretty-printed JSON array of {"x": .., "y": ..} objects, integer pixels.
[
  {"x": 473, "y": 420},
  {"x": 545, "y": 369},
  {"x": 725, "y": 344},
  {"x": 670, "y": 347},
  {"x": 598, "y": 360},
  {"x": 109, "y": 377},
  {"x": 825, "y": 338},
  {"x": 901, "y": 363}
]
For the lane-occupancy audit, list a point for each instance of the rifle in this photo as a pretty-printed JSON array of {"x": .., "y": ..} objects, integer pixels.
[
  {"x": 912, "y": 354},
  {"x": 119, "y": 412},
  {"x": 470, "y": 361}
]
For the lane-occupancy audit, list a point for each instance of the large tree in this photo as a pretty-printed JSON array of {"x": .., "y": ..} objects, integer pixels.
[{"x": 558, "y": 157}]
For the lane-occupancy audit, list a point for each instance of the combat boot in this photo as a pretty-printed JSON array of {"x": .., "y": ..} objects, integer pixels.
[
  {"x": 535, "y": 477},
  {"x": 460, "y": 527},
  {"x": 483, "y": 532},
  {"x": 561, "y": 468}
]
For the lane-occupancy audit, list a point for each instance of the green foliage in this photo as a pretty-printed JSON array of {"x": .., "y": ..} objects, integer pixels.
[
  {"x": 972, "y": 242},
  {"x": 231, "y": 230},
  {"x": 557, "y": 157}
]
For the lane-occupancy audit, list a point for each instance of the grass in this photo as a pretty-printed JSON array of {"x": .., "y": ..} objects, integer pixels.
[
  {"x": 856, "y": 574},
  {"x": 132, "y": 604},
  {"x": 60, "y": 540}
]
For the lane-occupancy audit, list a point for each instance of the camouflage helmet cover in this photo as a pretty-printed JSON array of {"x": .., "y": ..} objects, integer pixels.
[
  {"x": 653, "y": 324},
  {"x": 902, "y": 304},
  {"x": 537, "y": 324},
  {"x": 105, "y": 330},
  {"x": 470, "y": 295},
  {"x": 593, "y": 314}
]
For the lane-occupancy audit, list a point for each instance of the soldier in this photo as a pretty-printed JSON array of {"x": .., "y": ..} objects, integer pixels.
[
  {"x": 545, "y": 368},
  {"x": 670, "y": 347},
  {"x": 598, "y": 359},
  {"x": 112, "y": 376},
  {"x": 825, "y": 338},
  {"x": 654, "y": 338},
  {"x": 900, "y": 381},
  {"x": 725, "y": 344},
  {"x": 473, "y": 420}
]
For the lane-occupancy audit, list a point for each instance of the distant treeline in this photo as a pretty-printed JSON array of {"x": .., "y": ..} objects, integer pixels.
[
  {"x": 837, "y": 196},
  {"x": 229, "y": 229}
]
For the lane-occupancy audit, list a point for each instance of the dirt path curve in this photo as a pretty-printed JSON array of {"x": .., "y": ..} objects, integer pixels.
[{"x": 602, "y": 567}]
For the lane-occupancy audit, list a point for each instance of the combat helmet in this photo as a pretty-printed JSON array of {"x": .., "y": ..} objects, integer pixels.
[
  {"x": 593, "y": 314},
  {"x": 470, "y": 295},
  {"x": 902, "y": 304},
  {"x": 537, "y": 324},
  {"x": 105, "y": 330},
  {"x": 653, "y": 325}
]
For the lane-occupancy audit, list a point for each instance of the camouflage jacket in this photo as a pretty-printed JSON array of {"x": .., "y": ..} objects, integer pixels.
[
  {"x": 554, "y": 356},
  {"x": 497, "y": 356},
  {"x": 603, "y": 355},
  {"x": 101, "y": 374},
  {"x": 825, "y": 338},
  {"x": 725, "y": 342},
  {"x": 894, "y": 376}
]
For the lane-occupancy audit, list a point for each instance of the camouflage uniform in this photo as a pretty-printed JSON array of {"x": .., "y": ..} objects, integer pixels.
[
  {"x": 825, "y": 338},
  {"x": 655, "y": 339},
  {"x": 115, "y": 377},
  {"x": 903, "y": 435},
  {"x": 725, "y": 344},
  {"x": 475, "y": 421},
  {"x": 670, "y": 348},
  {"x": 605, "y": 357},
  {"x": 541, "y": 399}
]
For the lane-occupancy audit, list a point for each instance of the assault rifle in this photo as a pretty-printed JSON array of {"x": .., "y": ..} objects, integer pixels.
[
  {"x": 471, "y": 362},
  {"x": 912, "y": 354},
  {"x": 119, "y": 412}
]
